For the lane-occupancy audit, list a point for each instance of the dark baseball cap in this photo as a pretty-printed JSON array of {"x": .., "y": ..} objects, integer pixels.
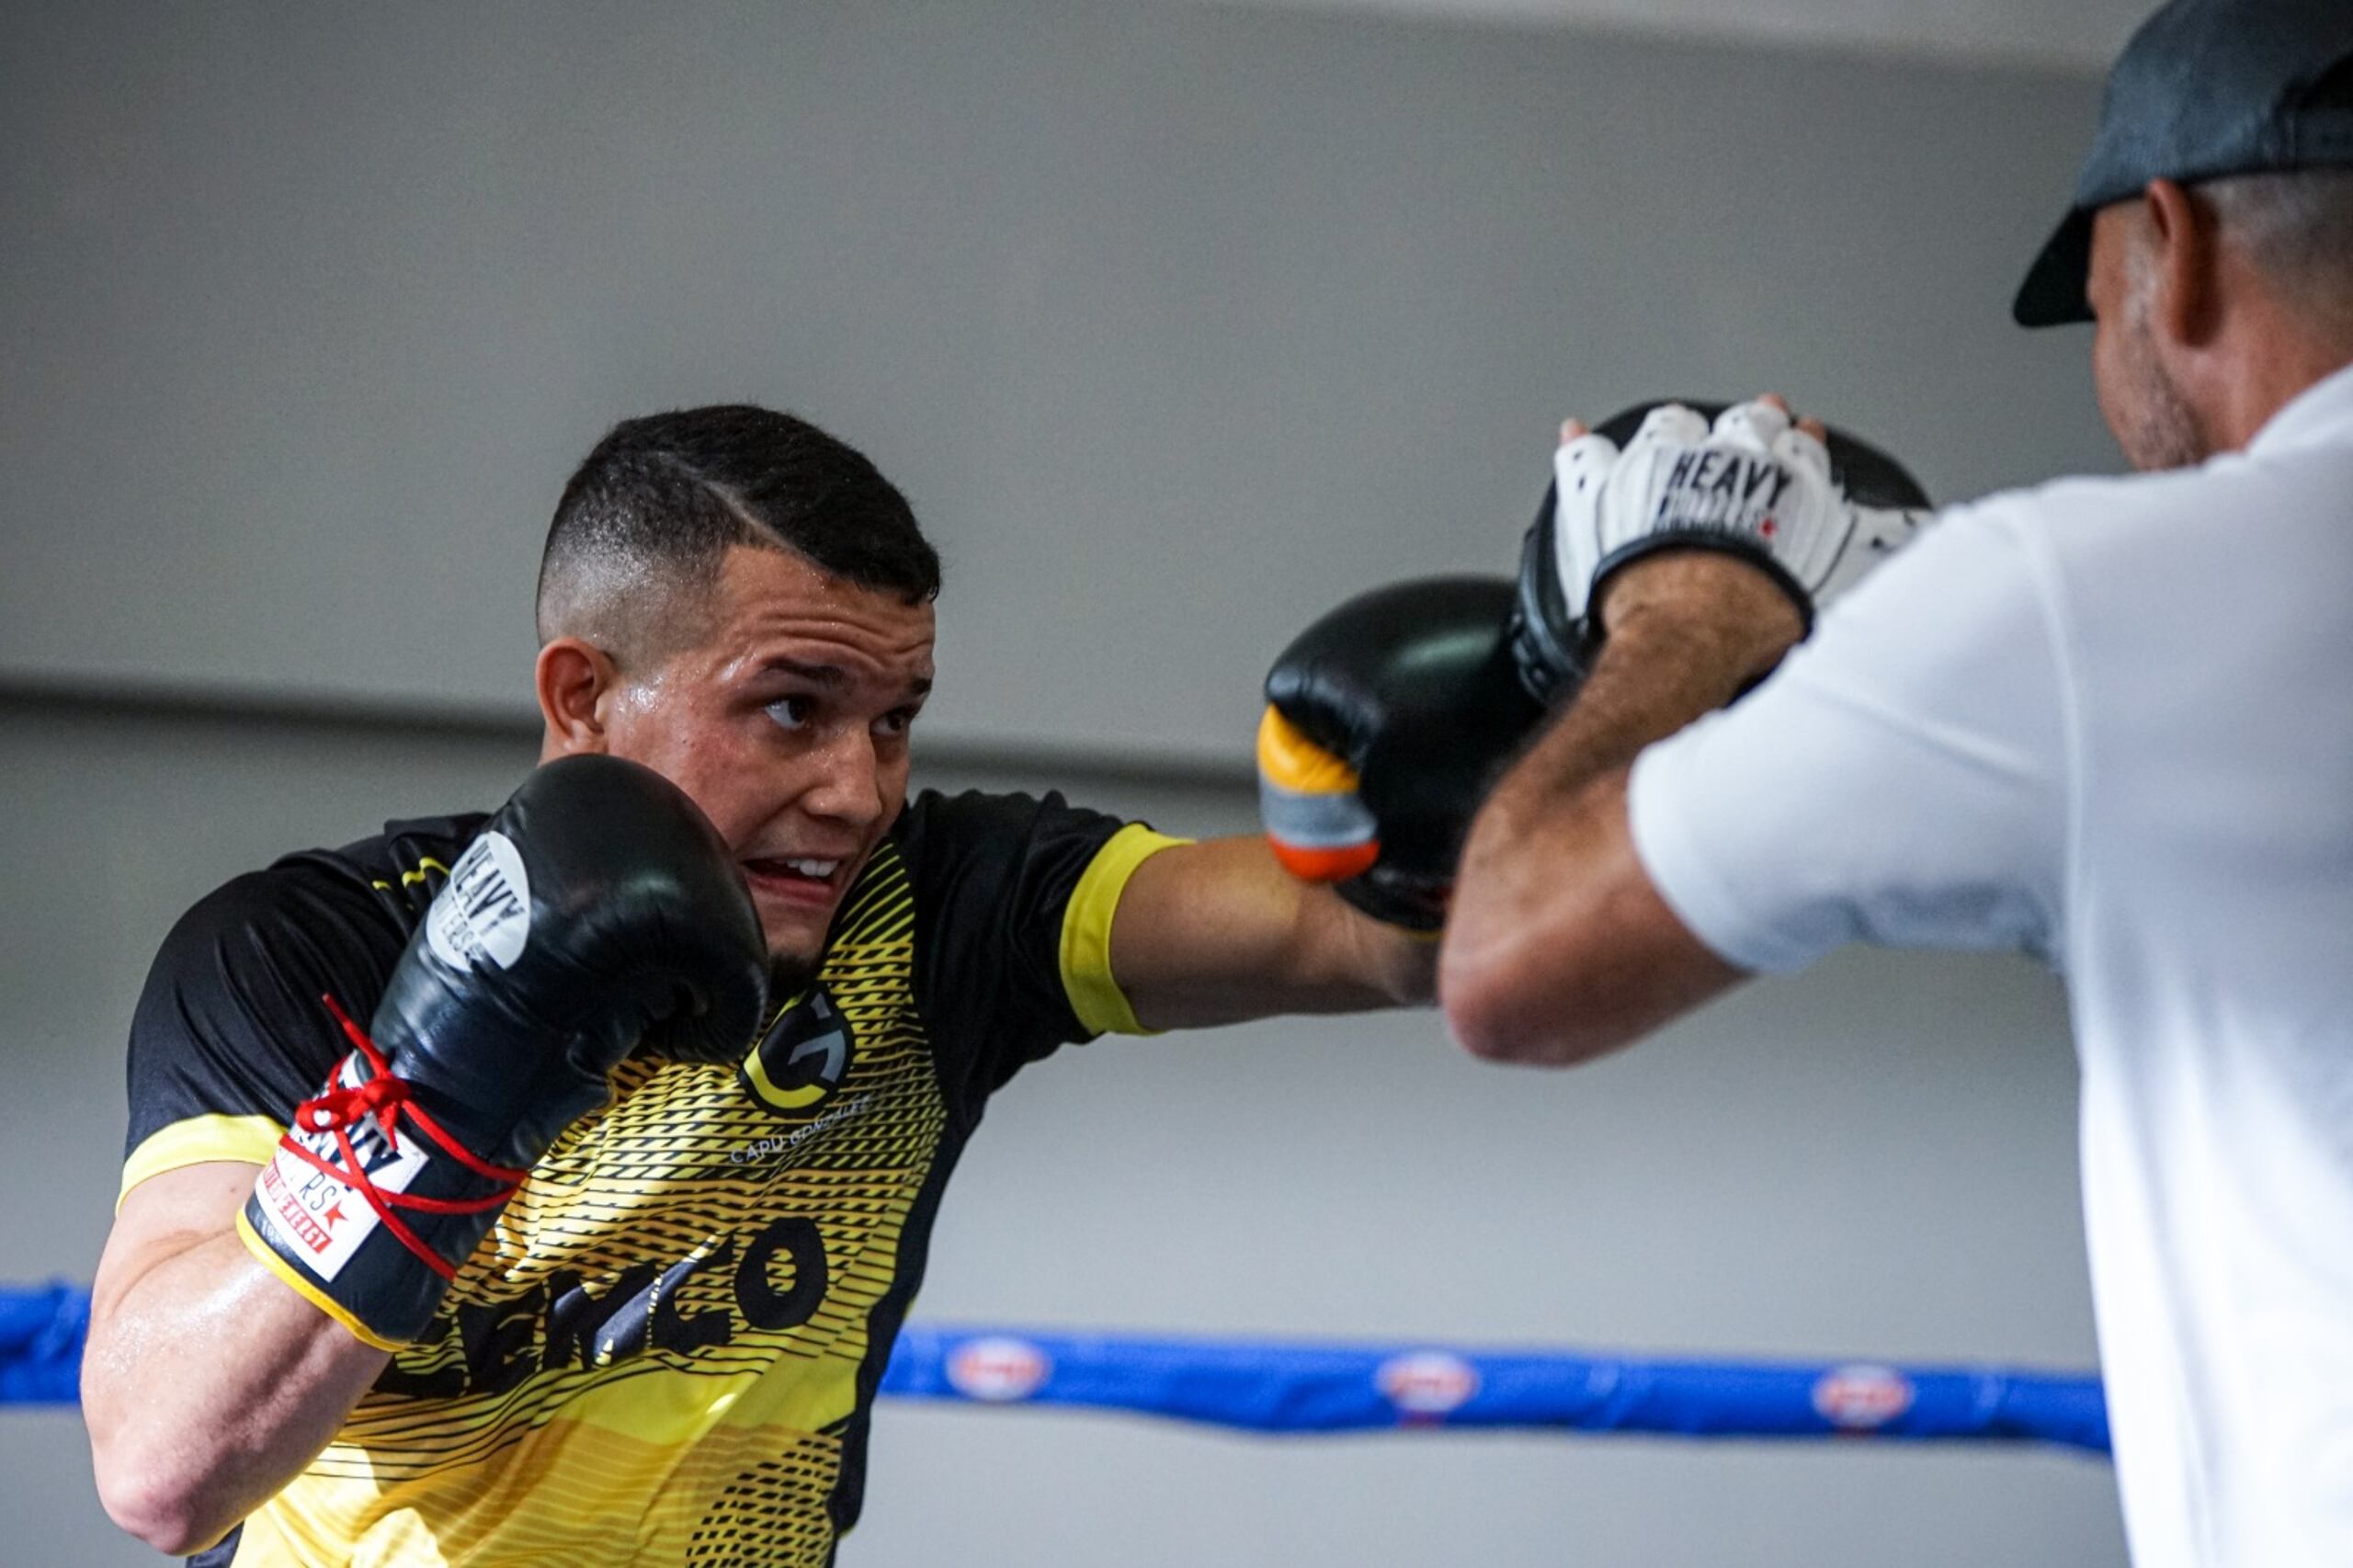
[{"x": 2206, "y": 89}]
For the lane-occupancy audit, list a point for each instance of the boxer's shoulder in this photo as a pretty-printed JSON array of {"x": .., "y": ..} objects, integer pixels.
[
  {"x": 340, "y": 915},
  {"x": 995, "y": 888},
  {"x": 976, "y": 847},
  {"x": 936, "y": 819},
  {"x": 230, "y": 1029},
  {"x": 394, "y": 873}
]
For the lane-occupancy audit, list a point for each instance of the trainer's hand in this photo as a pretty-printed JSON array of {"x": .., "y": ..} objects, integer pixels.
[
  {"x": 1813, "y": 511},
  {"x": 1386, "y": 722},
  {"x": 597, "y": 910}
]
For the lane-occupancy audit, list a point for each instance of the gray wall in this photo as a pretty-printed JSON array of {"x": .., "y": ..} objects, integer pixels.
[
  {"x": 1873, "y": 1160},
  {"x": 1176, "y": 321}
]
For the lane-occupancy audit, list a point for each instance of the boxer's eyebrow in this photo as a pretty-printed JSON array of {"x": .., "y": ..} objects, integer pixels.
[{"x": 830, "y": 677}]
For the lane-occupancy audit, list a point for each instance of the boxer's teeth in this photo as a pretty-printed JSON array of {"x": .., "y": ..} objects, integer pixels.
[{"x": 821, "y": 869}]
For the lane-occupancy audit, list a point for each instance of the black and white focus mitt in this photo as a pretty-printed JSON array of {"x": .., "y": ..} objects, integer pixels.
[{"x": 1815, "y": 517}]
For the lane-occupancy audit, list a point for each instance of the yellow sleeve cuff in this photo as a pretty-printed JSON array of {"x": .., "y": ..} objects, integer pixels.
[
  {"x": 247, "y": 1140},
  {"x": 1102, "y": 1008},
  {"x": 200, "y": 1140}
]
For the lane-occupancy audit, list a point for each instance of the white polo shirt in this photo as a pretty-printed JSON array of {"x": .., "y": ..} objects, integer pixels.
[{"x": 2110, "y": 721}]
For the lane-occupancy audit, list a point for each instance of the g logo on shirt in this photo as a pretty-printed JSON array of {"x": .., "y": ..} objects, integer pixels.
[{"x": 802, "y": 1058}]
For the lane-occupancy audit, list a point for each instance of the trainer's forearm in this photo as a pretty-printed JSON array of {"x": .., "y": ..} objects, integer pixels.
[
  {"x": 1526, "y": 844},
  {"x": 1654, "y": 676},
  {"x": 1558, "y": 948},
  {"x": 207, "y": 1386}
]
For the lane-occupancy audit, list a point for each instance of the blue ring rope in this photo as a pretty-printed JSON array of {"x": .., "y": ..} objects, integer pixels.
[
  {"x": 40, "y": 1344},
  {"x": 1283, "y": 1386}
]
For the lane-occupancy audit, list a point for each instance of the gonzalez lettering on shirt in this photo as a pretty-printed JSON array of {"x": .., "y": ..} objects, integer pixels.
[{"x": 668, "y": 1347}]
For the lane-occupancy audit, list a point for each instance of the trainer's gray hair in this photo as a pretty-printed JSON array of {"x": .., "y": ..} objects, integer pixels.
[{"x": 2297, "y": 229}]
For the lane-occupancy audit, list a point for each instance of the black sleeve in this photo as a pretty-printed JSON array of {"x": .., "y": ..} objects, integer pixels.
[
  {"x": 231, "y": 1022},
  {"x": 992, "y": 876}
]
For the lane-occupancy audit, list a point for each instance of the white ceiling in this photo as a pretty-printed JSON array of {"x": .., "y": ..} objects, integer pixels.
[{"x": 2073, "y": 34}]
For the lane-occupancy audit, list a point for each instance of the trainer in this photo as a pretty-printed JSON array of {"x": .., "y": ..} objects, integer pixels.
[
  {"x": 2106, "y": 721},
  {"x": 549, "y": 1186}
]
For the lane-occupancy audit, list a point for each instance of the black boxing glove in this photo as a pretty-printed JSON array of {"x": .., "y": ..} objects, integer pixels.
[
  {"x": 597, "y": 910},
  {"x": 1386, "y": 722},
  {"x": 1815, "y": 516}
]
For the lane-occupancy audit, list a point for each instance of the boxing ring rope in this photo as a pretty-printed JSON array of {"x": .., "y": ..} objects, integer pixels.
[{"x": 1281, "y": 1386}]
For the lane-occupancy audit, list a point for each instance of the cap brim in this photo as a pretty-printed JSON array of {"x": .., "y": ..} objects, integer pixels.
[{"x": 2054, "y": 291}]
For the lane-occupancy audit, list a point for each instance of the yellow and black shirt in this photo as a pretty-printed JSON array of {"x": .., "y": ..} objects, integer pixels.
[{"x": 666, "y": 1351}]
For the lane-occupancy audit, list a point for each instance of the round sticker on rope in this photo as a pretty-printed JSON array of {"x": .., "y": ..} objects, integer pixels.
[
  {"x": 1861, "y": 1398},
  {"x": 1428, "y": 1382},
  {"x": 482, "y": 915},
  {"x": 998, "y": 1371}
]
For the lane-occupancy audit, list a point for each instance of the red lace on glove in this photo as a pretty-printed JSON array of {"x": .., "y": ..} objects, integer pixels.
[{"x": 386, "y": 1099}]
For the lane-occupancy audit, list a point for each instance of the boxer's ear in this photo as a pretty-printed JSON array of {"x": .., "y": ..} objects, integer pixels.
[{"x": 575, "y": 682}]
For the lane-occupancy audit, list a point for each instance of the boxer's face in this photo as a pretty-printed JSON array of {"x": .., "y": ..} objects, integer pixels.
[{"x": 786, "y": 719}]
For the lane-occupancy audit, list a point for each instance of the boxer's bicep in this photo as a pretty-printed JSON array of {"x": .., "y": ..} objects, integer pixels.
[
  {"x": 1576, "y": 953},
  {"x": 207, "y": 1384},
  {"x": 1218, "y": 933},
  {"x": 161, "y": 1217}
]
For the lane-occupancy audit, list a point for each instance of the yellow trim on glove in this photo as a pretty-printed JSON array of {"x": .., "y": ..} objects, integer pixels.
[
  {"x": 1094, "y": 995},
  {"x": 302, "y": 1285},
  {"x": 1289, "y": 759}
]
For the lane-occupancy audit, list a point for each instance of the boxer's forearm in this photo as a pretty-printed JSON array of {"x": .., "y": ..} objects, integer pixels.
[
  {"x": 1219, "y": 933},
  {"x": 207, "y": 1386},
  {"x": 1378, "y": 964}
]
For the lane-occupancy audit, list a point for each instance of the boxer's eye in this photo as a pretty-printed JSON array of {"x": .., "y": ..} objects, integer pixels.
[
  {"x": 792, "y": 712},
  {"x": 895, "y": 722}
]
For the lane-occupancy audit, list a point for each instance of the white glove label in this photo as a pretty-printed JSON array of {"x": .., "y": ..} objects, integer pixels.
[
  {"x": 1753, "y": 478},
  {"x": 482, "y": 915},
  {"x": 322, "y": 1221},
  {"x": 1728, "y": 492}
]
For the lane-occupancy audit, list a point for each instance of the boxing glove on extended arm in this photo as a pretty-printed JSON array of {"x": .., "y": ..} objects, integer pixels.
[
  {"x": 596, "y": 910},
  {"x": 1815, "y": 517},
  {"x": 1387, "y": 719}
]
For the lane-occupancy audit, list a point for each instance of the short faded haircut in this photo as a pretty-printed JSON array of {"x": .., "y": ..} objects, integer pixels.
[{"x": 637, "y": 539}]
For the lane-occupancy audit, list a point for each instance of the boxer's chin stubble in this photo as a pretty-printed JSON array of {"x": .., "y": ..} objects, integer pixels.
[
  {"x": 790, "y": 974},
  {"x": 796, "y": 950},
  {"x": 795, "y": 929}
]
